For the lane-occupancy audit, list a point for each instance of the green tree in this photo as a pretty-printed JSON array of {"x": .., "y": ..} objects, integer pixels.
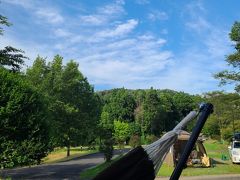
[
  {"x": 106, "y": 129},
  {"x": 3, "y": 22},
  {"x": 225, "y": 116},
  {"x": 152, "y": 123},
  {"x": 81, "y": 115},
  {"x": 106, "y": 144},
  {"x": 120, "y": 105},
  {"x": 10, "y": 57},
  {"x": 172, "y": 114},
  {"x": 47, "y": 79},
  {"x": 121, "y": 132},
  {"x": 155, "y": 111},
  {"x": 233, "y": 60},
  {"x": 24, "y": 132},
  {"x": 184, "y": 103},
  {"x": 73, "y": 107},
  {"x": 37, "y": 73},
  {"x": 139, "y": 96}
]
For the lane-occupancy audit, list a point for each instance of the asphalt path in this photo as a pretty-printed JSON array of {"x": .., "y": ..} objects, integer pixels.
[{"x": 63, "y": 170}]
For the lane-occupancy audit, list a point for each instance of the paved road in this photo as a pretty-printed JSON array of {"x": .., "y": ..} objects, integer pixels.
[{"x": 64, "y": 170}]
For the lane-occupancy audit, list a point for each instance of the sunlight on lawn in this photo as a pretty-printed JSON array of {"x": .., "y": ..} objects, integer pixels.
[{"x": 59, "y": 155}]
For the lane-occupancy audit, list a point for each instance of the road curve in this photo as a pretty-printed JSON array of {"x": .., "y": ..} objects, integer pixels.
[{"x": 63, "y": 170}]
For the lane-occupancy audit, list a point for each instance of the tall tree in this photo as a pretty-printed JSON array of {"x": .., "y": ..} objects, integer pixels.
[
  {"x": 73, "y": 106},
  {"x": 233, "y": 60},
  {"x": 106, "y": 129},
  {"x": 81, "y": 106},
  {"x": 3, "y": 22},
  {"x": 184, "y": 103},
  {"x": 121, "y": 105},
  {"x": 225, "y": 119},
  {"x": 121, "y": 132},
  {"x": 37, "y": 73},
  {"x": 24, "y": 132},
  {"x": 152, "y": 123},
  {"x": 10, "y": 57}
]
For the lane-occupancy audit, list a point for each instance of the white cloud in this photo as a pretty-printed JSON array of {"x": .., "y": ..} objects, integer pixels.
[
  {"x": 111, "y": 51},
  {"x": 112, "y": 9},
  {"x": 198, "y": 24},
  {"x": 107, "y": 54},
  {"x": 51, "y": 15},
  {"x": 218, "y": 43},
  {"x": 195, "y": 8},
  {"x": 24, "y": 3},
  {"x": 194, "y": 17},
  {"x": 120, "y": 30},
  {"x": 104, "y": 15},
  {"x": 31, "y": 49},
  {"x": 211, "y": 36},
  {"x": 142, "y": 2},
  {"x": 192, "y": 70},
  {"x": 93, "y": 19},
  {"x": 48, "y": 14},
  {"x": 62, "y": 33},
  {"x": 129, "y": 62},
  {"x": 157, "y": 15}
]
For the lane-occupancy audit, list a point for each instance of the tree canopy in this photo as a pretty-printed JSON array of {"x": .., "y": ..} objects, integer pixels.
[
  {"x": 24, "y": 132},
  {"x": 73, "y": 107},
  {"x": 233, "y": 60},
  {"x": 10, "y": 57}
]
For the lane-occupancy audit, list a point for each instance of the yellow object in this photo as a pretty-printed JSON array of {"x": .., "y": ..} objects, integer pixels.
[{"x": 206, "y": 161}]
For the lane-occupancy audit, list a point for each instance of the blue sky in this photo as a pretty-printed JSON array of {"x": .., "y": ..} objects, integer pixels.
[{"x": 134, "y": 44}]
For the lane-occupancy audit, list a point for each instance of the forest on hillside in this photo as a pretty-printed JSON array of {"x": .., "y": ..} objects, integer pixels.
[{"x": 52, "y": 104}]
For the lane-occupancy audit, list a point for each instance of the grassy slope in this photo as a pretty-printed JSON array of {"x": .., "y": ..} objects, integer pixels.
[
  {"x": 59, "y": 155},
  {"x": 215, "y": 151},
  {"x": 92, "y": 172}
]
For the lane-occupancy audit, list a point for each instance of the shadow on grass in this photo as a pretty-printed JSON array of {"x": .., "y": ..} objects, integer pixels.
[
  {"x": 214, "y": 161},
  {"x": 92, "y": 155},
  {"x": 74, "y": 158}
]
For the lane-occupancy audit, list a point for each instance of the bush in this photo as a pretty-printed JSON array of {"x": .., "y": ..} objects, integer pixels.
[
  {"x": 121, "y": 132},
  {"x": 151, "y": 138},
  {"x": 24, "y": 136},
  {"x": 227, "y": 134},
  {"x": 106, "y": 144},
  {"x": 135, "y": 141}
]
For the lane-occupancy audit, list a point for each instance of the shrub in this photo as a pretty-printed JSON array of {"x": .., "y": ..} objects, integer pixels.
[
  {"x": 135, "y": 141},
  {"x": 106, "y": 144},
  {"x": 151, "y": 138},
  {"x": 24, "y": 136}
]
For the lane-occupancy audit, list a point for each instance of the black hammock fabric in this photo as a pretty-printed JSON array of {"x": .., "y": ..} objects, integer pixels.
[{"x": 135, "y": 165}]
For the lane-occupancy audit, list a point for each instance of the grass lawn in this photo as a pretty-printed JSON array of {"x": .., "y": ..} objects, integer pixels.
[
  {"x": 59, "y": 155},
  {"x": 214, "y": 150},
  {"x": 92, "y": 172}
]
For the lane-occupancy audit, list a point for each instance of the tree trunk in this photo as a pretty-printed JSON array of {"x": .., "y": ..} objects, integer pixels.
[
  {"x": 68, "y": 150},
  {"x": 68, "y": 147}
]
